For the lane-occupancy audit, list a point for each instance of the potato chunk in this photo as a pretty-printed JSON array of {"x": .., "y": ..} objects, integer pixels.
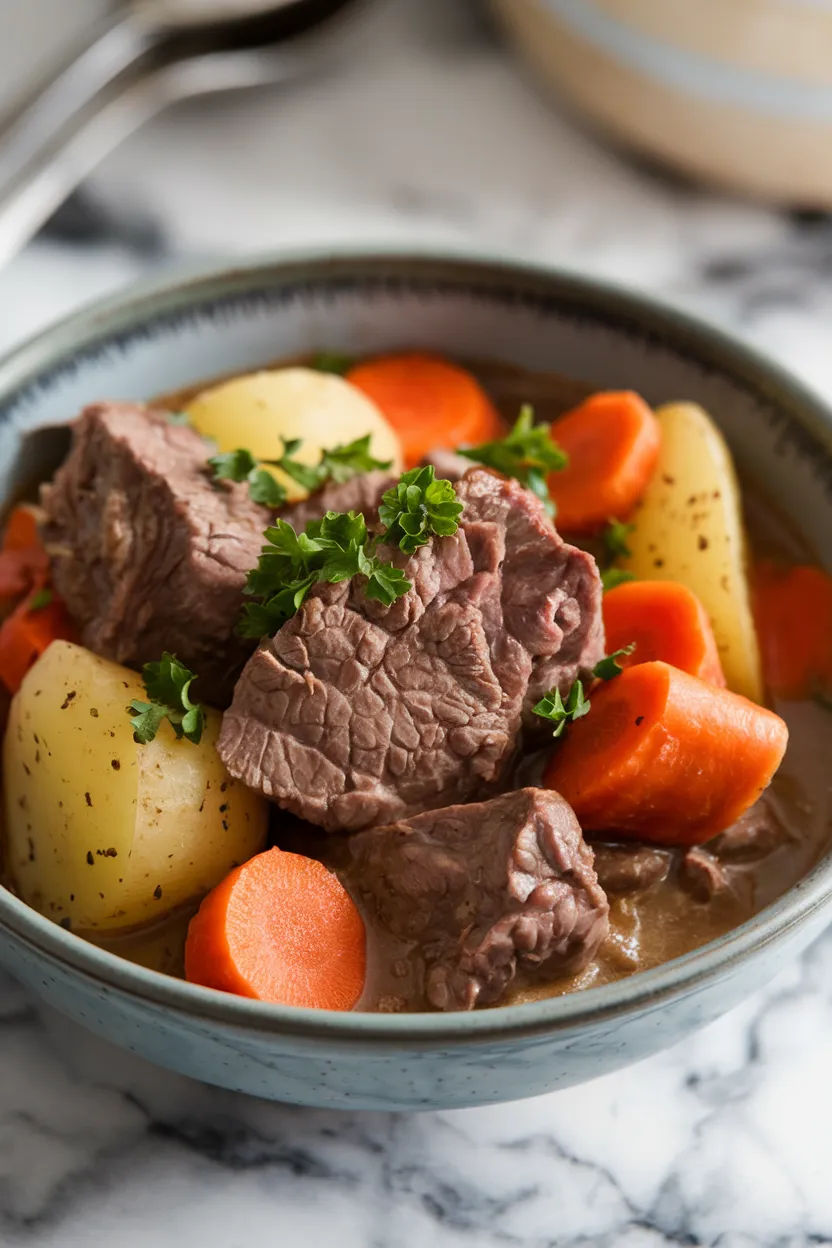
[
  {"x": 689, "y": 528},
  {"x": 103, "y": 833},
  {"x": 260, "y": 411}
]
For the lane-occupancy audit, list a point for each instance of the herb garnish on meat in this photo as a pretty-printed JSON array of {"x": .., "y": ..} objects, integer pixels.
[
  {"x": 528, "y": 453},
  {"x": 338, "y": 547},
  {"x": 562, "y": 711},
  {"x": 340, "y": 463},
  {"x": 168, "y": 684}
]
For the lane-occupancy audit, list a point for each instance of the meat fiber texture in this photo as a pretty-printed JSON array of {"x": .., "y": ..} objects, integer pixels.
[
  {"x": 473, "y": 895},
  {"x": 357, "y": 714},
  {"x": 147, "y": 552}
]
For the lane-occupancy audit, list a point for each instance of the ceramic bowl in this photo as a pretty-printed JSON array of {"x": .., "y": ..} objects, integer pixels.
[
  {"x": 739, "y": 93},
  {"x": 161, "y": 337}
]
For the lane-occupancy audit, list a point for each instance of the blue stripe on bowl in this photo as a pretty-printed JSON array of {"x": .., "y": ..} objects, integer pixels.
[{"x": 693, "y": 74}]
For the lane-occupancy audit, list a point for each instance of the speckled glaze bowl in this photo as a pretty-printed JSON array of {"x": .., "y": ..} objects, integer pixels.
[{"x": 161, "y": 337}]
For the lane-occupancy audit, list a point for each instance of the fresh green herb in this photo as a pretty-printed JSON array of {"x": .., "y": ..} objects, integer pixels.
[
  {"x": 41, "y": 599},
  {"x": 332, "y": 362},
  {"x": 338, "y": 547},
  {"x": 559, "y": 712},
  {"x": 608, "y": 667},
  {"x": 334, "y": 548},
  {"x": 417, "y": 508},
  {"x": 343, "y": 462},
  {"x": 615, "y": 539},
  {"x": 611, "y": 578},
  {"x": 338, "y": 464},
  {"x": 528, "y": 453},
  {"x": 167, "y": 684}
]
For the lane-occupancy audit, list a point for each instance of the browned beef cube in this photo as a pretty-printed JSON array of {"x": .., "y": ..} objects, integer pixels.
[
  {"x": 460, "y": 901},
  {"x": 356, "y": 714},
  {"x": 148, "y": 554}
]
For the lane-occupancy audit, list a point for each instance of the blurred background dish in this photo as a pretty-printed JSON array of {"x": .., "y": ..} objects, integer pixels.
[{"x": 739, "y": 93}]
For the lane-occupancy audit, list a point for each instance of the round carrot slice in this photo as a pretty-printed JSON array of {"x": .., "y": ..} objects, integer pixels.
[
  {"x": 280, "y": 928},
  {"x": 612, "y": 440},
  {"x": 666, "y": 621},
  {"x": 429, "y": 402}
]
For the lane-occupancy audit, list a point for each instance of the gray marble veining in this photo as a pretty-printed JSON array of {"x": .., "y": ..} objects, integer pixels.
[{"x": 432, "y": 135}]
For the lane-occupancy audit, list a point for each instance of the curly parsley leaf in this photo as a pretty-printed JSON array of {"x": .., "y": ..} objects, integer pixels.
[
  {"x": 339, "y": 463},
  {"x": 561, "y": 712},
  {"x": 233, "y": 465},
  {"x": 528, "y": 453},
  {"x": 418, "y": 508},
  {"x": 332, "y": 362},
  {"x": 611, "y": 578},
  {"x": 615, "y": 539},
  {"x": 167, "y": 684},
  {"x": 609, "y": 667},
  {"x": 335, "y": 548}
]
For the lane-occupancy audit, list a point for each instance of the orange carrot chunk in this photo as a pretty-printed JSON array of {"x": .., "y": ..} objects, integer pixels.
[
  {"x": 666, "y": 621},
  {"x": 793, "y": 612},
  {"x": 612, "y": 440},
  {"x": 664, "y": 757},
  {"x": 26, "y": 633},
  {"x": 21, "y": 531},
  {"x": 429, "y": 402},
  {"x": 280, "y": 928}
]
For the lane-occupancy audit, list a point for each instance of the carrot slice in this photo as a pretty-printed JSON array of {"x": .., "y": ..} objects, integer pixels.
[
  {"x": 21, "y": 531},
  {"x": 793, "y": 612},
  {"x": 26, "y": 633},
  {"x": 664, "y": 757},
  {"x": 612, "y": 440},
  {"x": 429, "y": 402},
  {"x": 666, "y": 621},
  {"x": 280, "y": 928}
]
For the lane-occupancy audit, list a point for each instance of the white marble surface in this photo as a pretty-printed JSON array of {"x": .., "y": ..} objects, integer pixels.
[{"x": 430, "y": 134}]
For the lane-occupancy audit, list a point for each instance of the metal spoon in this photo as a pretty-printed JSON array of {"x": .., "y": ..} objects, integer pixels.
[{"x": 146, "y": 55}]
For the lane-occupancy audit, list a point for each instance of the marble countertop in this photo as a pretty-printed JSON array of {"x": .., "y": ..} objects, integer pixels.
[{"x": 428, "y": 133}]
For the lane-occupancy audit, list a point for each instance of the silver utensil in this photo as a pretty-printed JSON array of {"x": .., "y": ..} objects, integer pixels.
[{"x": 145, "y": 56}]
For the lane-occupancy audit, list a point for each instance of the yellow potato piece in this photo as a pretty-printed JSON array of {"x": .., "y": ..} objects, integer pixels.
[
  {"x": 261, "y": 410},
  {"x": 104, "y": 833},
  {"x": 689, "y": 528}
]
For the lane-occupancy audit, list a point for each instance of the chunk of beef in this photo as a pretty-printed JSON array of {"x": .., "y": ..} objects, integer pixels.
[
  {"x": 630, "y": 868},
  {"x": 356, "y": 714},
  {"x": 755, "y": 834},
  {"x": 472, "y": 894},
  {"x": 702, "y": 875},
  {"x": 362, "y": 493},
  {"x": 147, "y": 553}
]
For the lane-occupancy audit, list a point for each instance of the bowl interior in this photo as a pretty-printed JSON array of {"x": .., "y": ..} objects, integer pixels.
[{"x": 161, "y": 339}]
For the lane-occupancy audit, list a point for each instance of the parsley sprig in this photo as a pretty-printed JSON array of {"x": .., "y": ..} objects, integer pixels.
[
  {"x": 562, "y": 711},
  {"x": 167, "y": 684},
  {"x": 417, "y": 508},
  {"x": 527, "y": 453},
  {"x": 339, "y": 464},
  {"x": 338, "y": 547}
]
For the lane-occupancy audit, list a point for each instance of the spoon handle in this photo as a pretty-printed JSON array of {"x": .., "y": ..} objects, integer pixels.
[{"x": 40, "y": 160}]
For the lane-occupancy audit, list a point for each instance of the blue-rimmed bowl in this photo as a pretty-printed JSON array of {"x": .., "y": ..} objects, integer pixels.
[{"x": 162, "y": 337}]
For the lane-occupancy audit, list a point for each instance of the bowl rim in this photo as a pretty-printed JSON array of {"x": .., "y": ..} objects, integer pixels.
[{"x": 189, "y": 288}]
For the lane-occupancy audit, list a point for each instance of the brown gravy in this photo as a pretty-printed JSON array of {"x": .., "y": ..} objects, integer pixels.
[{"x": 666, "y": 920}]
